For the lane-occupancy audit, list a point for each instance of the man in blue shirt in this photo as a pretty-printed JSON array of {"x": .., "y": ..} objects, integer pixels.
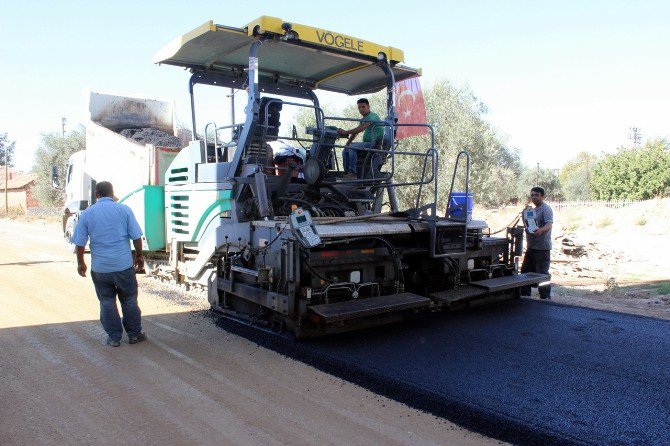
[
  {"x": 370, "y": 127},
  {"x": 110, "y": 225}
]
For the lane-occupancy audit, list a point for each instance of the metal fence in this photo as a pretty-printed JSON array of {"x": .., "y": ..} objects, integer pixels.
[{"x": 613, "y": 204}]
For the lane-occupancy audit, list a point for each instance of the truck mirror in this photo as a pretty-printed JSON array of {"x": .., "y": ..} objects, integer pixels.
[{"x": 54, "y": 177}]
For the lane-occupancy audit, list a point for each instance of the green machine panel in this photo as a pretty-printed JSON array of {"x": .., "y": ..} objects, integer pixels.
[{"x": 148, "y": 205}]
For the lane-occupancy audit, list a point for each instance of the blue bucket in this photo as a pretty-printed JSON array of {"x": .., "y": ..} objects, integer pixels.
[{"x": 459, "y": 205}]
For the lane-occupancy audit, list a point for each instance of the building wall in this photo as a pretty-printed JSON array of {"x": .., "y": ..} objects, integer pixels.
[
  {"x": 15, "y": 198},
  {"x": 31, "y": 201}
]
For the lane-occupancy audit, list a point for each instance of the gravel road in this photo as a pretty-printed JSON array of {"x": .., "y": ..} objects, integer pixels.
[{"x": 191, "y": 383}]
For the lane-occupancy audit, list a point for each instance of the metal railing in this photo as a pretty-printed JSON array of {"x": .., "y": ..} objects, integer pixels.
[{"x": 219, "y": 148}]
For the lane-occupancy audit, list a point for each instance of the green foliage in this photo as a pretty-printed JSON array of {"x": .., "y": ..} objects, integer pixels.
[
  {"x": 54, "y": 150},
  {"x": 6, "y": 149},
  {"x": 664, "y": 288},
  {"x": 460, "y": 124},
  {"x": 575, "y": 176},
  {"x": 545, "y": 178},
  {"x": 633, "y": 174}
]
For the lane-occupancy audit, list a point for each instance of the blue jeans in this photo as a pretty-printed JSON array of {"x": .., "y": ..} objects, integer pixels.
[
  {"x": 350, "y": 155},
  {"x": 124, "y": 285}
]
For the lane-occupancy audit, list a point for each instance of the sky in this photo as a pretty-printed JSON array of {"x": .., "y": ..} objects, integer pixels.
[{"x": 558, "y": 78}]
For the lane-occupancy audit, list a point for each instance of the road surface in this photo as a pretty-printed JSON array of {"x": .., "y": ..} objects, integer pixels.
[
  {"x": 524, "y": 371},
  {"x": 190, "y": 383}
]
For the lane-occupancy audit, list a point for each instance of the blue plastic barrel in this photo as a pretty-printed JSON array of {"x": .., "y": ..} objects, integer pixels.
[{"x": 458, "y": 205}]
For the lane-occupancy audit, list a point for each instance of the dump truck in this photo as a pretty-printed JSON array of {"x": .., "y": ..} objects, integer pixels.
[
  {"x": 262, "y": 217},
  {"x": 130, "y": 141}
]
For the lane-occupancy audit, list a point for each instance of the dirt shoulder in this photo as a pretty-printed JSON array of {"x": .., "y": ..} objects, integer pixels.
[
  {"x": 190, "y": 383},
  {"x": 608, "y": 259}
]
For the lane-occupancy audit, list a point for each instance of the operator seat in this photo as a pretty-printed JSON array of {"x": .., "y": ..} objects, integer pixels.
[
  {"x": 259, "y": 152},
  {"x": 324, "y": 141},
  {"x": 273, "y": 107},
  {"x": 370, "y": 163}
]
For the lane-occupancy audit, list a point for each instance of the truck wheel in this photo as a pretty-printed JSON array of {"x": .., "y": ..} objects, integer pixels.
[{"x": 69, "y": 228}]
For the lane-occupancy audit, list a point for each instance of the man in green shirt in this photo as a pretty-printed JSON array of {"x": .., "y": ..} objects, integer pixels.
[{"x": 370, "y": 132}]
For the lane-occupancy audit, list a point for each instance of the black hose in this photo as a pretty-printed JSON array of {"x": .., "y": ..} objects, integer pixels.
[
  {"x": 454, "y": 265},
  {"x": 511, "y": 225},
  {"x": 399, "y": 283},
  {"x": 456, "y": 268},
  {"x": 310, "y": 206},
  {"x": 309, "y": 267}
]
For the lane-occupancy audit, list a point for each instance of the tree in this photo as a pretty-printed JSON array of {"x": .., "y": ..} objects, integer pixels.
[
  {"x": 459, "y": 122},
  {"x": 6, "y": 150},
  {"x": 575, "y": 176},
  {"x": 54, "y": 150},
  {"x": 633, "y": 173},
  {"x": 545, "y": 178}
]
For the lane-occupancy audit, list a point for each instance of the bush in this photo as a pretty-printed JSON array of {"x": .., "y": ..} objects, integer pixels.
[
  {"x": 633, "y": 174},
  {"x": 604, "y": 222},
  {"x": 664, "y": 288}
]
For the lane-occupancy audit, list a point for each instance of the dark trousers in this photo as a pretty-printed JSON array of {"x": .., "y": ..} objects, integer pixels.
[
  {"x": 124, "y": 285},
  {"x": 537, "y": 261}
]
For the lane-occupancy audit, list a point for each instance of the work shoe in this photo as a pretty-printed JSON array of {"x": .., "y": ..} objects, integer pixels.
[
  {"x": 112, "y": 343},
  {"x": 350, "y": 176},
  {"x": 139, "y": 338}
]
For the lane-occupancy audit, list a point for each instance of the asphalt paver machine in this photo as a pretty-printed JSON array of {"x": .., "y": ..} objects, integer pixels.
[{"x": 298, "y": 246}]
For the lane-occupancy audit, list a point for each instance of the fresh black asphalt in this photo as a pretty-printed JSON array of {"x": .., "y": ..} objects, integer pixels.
[{"x": 523, "y": 371}]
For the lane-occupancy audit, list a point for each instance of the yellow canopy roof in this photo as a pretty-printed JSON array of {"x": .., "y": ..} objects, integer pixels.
[{"x": 290, "y": 54}]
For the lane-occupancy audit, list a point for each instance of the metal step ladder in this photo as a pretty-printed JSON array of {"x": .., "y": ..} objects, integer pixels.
[
  {"x": 461, "y": 221},
  {"x": 354, "y": 309}
]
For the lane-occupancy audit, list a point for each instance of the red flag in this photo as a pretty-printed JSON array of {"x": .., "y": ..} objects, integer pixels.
[{"x": 410, "y": 108}]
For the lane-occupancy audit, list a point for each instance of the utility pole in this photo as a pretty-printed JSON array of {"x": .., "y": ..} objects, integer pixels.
[
  {"x": 537, "y": 175},
  {"x": 63, "y": 126},
  {"x": 635, "y": 135},
  {"x": 6, "y": 181},
  {"x": 588, "y": 180}
]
